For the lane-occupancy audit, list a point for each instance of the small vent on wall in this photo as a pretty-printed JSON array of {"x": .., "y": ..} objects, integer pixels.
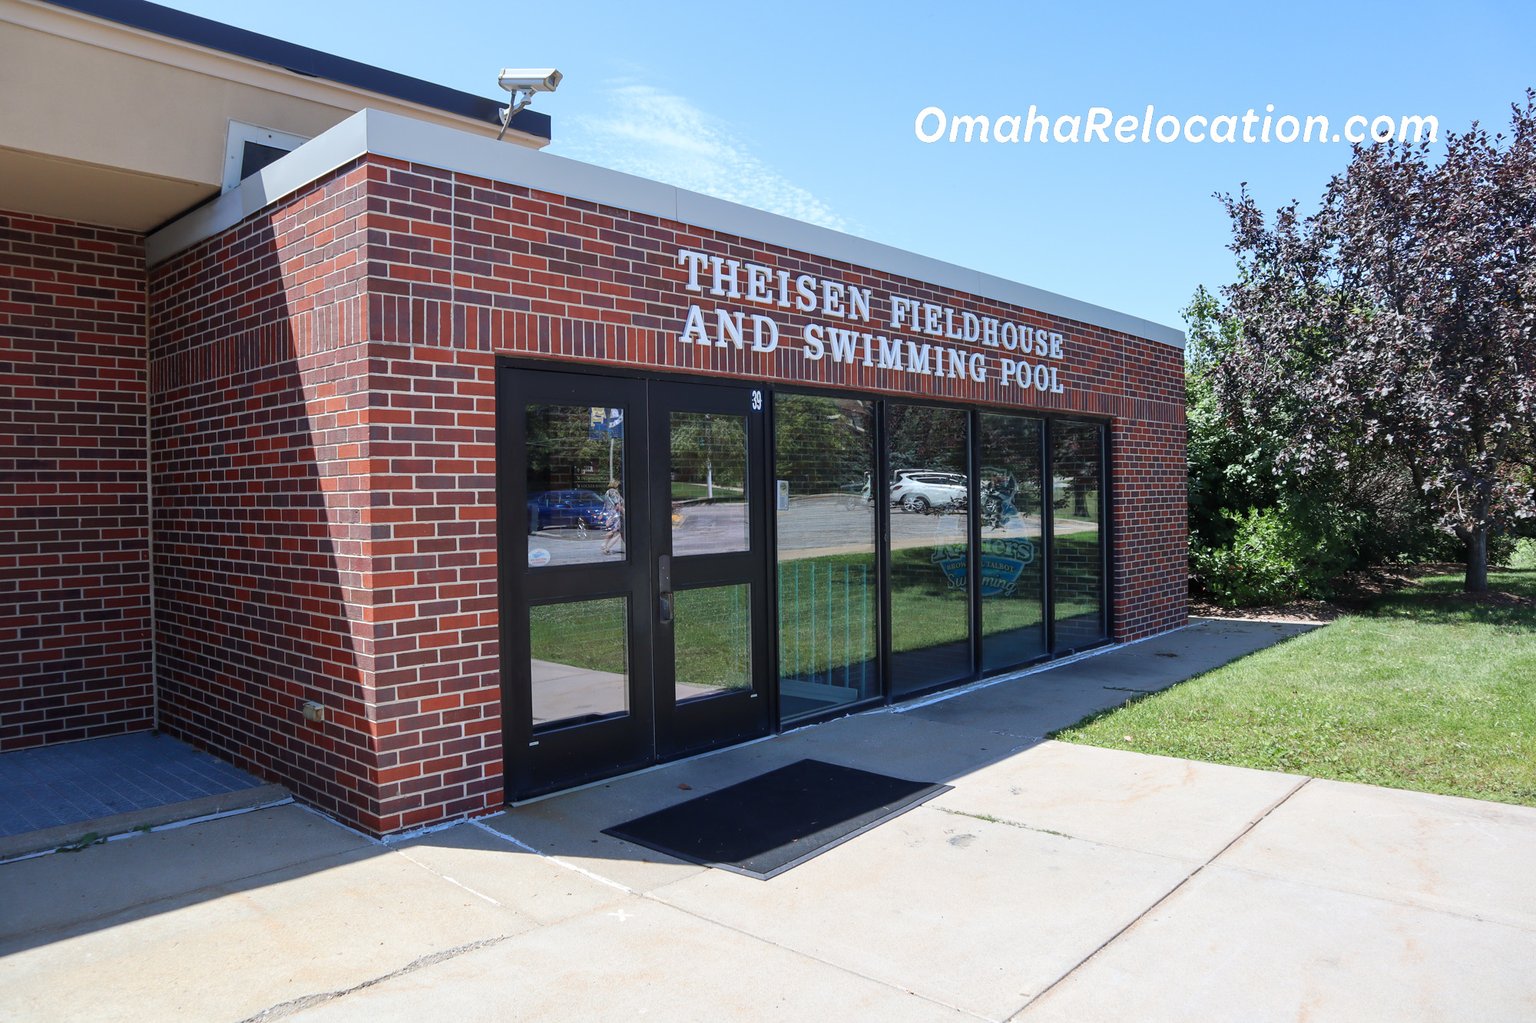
[
  {"x": 256, "y": 156},
  {"x": 251, "y": 147}
]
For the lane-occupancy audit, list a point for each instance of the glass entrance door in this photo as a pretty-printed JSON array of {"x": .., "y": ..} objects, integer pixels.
[
  {"x": 575, "y": 580},
  {"x": 929, "y": 545},
  {"x": 708, "y": 529},
  {"x": 633, "y": 573}
]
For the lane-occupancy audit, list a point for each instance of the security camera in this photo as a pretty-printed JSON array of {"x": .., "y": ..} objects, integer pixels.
[
  {"x": 522, "y": 83},
  {"x": 530, "y": 79}
]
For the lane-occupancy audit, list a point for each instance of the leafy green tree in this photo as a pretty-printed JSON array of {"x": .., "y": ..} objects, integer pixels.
[
  {"x": 925, "y": 437},
  {"x": 1397, "y": 326},
  {"x": 564, "y": 450},
  {"x": 1261, "y": 531}
]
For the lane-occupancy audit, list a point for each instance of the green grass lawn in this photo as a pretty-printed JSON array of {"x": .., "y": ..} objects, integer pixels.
[{"x": 1426, "y": 690}]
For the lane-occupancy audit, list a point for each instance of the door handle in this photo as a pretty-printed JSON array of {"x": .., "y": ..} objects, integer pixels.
[{"x": 664, "y": 589}]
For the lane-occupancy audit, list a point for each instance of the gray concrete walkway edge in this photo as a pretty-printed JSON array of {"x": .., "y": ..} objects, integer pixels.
[{"x": 66, "y": 835}]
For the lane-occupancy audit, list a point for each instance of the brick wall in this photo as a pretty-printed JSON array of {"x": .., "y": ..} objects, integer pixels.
[
  {"x": 1150, "y": 522},
  {"x": 260, "y": 425},
  {"x": 323, "y": 437},
  {"x": 74, "y": 550},
  {"x": 462, "y": 269}
]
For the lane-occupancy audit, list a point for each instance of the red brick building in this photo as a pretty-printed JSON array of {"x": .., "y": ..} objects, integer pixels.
[{"x": 421, "y": 472}]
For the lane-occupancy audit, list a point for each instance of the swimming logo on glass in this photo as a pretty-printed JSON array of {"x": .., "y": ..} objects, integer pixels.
[{"x": 1002, "y": 562}]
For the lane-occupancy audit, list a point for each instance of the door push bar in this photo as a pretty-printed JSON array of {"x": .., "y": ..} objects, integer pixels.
[{"x": 664, "y": 588}]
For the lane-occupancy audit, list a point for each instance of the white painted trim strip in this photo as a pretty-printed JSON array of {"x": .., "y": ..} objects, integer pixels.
[
  {"x": 567, "y": 864},
  {"x": 403, "y": 138}
]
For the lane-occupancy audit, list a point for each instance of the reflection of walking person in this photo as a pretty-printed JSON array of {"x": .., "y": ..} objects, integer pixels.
[
  {"x": 613, "y": 514},
  {"x": 997, "y": 499}
]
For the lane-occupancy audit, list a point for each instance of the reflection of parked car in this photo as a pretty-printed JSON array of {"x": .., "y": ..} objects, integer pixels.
[
  {"x": 918, "y": 490},
  {"x": 580, "y": 508}
]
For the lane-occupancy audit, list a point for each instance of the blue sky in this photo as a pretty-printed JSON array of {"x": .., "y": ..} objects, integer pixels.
[{"x": 807, "y": 109}]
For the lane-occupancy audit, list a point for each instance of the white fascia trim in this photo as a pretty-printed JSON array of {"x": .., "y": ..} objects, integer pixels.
[{"x": 403, "y": 138}]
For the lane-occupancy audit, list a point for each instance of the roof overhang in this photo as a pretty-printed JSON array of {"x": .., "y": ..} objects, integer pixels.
[{"x": 118, "y": 111}]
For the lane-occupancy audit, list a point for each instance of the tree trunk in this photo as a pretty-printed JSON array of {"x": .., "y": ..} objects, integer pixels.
[{"x": 1477, "y": 560}]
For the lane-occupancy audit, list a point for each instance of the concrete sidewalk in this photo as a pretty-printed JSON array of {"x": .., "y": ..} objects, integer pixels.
[{"x": 1053, "y": 882}]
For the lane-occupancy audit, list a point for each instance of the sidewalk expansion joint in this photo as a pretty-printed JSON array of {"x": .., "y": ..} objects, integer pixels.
[
  {"x": 284, "y": 1009},
  {"x": 990, "y": 819},
  {"x": 1170, "y": 893},
  {"x": 1007, "y": 823},
  {"x": 656, "y": 897},
  {"x": 1359, "y": 892}
]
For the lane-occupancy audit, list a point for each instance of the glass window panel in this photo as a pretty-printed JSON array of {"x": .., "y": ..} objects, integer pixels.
[
  {"x": 575, "y": 485},
  {"x": 712, "y": 630},
  {"x": 827, "y": 578},
  {"x": 929, "y": 538},
  {"x": 1012, "y": 541},
  {"x": 1077, "y": 539},
  {"x": 580, "y": 661},
  {"x": 709, "y": 483}
]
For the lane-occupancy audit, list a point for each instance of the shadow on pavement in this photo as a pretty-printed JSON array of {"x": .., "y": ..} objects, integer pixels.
[
  {"x": 938, "y": 739},
  {"x": 66, "y": 895}
]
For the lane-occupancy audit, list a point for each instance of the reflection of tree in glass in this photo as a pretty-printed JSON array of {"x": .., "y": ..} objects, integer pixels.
[
  {"x": 563, "y": 450},
  {"x": 926, "y": 437},
  {"x": 1077, "y": 464},
  {"x": 710, "y": 450},
  {"x": 825, "y": 444},
  {"x": 1010, "y": 452}
]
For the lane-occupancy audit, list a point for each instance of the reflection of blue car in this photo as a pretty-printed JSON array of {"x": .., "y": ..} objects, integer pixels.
[{"x": 565, "y": 508}]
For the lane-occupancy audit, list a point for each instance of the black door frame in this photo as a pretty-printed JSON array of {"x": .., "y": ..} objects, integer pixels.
[
  {"x": 512, "y": 552},
  {"x": 1106, "y": 536},
  {"x": 655, "y": 728},
  {"x": 728, "y": 717},
  {"x": 584, "y": 750},
  {"x": 972, "y": 563}
]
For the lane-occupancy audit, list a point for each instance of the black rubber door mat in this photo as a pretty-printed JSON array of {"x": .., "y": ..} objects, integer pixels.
[{"x": 765, "y": 825}]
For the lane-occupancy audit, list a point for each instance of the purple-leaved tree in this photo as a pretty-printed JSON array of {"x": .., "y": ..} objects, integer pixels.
[{"x": 1399, "y": 323}]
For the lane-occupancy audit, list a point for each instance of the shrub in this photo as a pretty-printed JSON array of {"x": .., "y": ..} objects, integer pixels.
[
  {"x": 1275, "y": 555},
  {"x": 1522, "y": 555}
]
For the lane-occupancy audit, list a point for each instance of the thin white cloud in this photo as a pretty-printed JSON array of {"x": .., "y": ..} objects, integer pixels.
[{"x": 641, "y": 130}]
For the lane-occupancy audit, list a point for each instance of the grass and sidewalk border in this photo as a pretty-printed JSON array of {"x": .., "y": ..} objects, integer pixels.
[{"x": 1421, "y": 688}]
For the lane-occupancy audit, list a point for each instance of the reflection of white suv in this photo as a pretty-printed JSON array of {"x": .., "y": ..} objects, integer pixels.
[{"x": 917, "y": 490}]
